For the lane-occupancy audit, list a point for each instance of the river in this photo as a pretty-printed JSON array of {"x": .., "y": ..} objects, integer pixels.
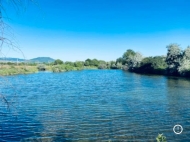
[{"x": 94, "y": 105}]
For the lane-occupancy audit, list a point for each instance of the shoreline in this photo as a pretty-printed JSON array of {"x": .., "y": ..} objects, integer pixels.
[
  {"x": 50, "y": 71},
  {"x": 11, "y": 70}
]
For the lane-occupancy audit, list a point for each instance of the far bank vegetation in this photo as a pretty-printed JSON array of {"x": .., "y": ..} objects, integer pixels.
[{"x": 175, "y": 63}]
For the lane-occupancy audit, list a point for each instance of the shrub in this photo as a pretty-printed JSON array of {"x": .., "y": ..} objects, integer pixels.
[
  {"x": 102, "y": 66},
  {"x": 69, "y": 63},
  {"x": 152, "y": 65},
  {"x": 69, "y": 67},
  {"x": 161, "y": 138},
  {"x": 41, "y": 67},
  {"x": 58, "y": 68},
  {"x": 79, "y": 64}
]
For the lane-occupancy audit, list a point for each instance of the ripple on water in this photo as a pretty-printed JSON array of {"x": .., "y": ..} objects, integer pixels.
[{"x": 95, "y": 105}]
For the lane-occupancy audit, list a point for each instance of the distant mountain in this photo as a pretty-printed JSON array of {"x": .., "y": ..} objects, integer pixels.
[
  {"x": 11, "y": 60},
  {"x": 34, "y": 60},
  {"x": 42, "y": 60}
]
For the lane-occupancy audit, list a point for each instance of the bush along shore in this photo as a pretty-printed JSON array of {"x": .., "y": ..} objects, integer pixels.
[
  {"x": 58, "y": 65},
  {"x": 175, "y": 63}
]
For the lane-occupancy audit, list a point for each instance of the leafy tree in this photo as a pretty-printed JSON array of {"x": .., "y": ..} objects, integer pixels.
[
  {"x": 186, "y": 53},
  {"x": 87, "y": 62},
  {"x": 102, "y": 66},
  {"x": 58, "y": 62},
  {"x": 120, "y": 60},
  {"x": 102, "y": 62},
  {"x": 69, "y": 63},
  {"x": 154, "y": 65},
  {"x": 94, "y": 62},
  {"x": 134, "y": 60},
  {"x": 157, "y": 62},
  {"x": 184, "y": 67},
  {"x": 113, "y": 65},
  {"x": 127, "y": 56},
  {"x": 108, "y": 64},
  {"x": 79, "y": 64},
  {"x": 128, "y": 53},
  {"x": 68, "y": 67},
  {"x": 173, "y": 58},
  {"x": 119, "y": 65}
]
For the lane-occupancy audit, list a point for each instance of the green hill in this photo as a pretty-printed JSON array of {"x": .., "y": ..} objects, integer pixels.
[
  {"x": 34, "y": 60},
  {"x": 11, "y": 59},
  {"x": 42, "y": 60}
]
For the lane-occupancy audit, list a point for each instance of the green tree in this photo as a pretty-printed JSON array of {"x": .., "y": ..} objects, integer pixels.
[
  {"x": 173, "y": 59},
  {"x": 157, "y": 62},
  {"x": 128, "y": 53},
  {"x": 186, "y": 53},
  {"x": 102, "y": 62},
  {"x": 79, "y": 64},
  {"x": 58, "y": 62},
  {"x": 108, "y": 64},
  {"x": 134, "y": 60},
  {"x": 154, "y": 65},
  {"x": 113, "y": 65},
  {"x": 184, "y": 67},
  {"x": 102, "y": 66},
  {"x": 69, "y": 67},
  {"x": 94, "y": 62},
  {"x": 87, "y": 62},
  {"x": 127, "y": 56},
  {"x": 69, "y": 63},
  {"x": 120, "y": 60},
  {"x": 119, "y": 65}
]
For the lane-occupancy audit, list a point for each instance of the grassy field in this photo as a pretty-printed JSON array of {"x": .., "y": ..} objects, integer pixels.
[
  {"x": 27, "y": 69},
  {"x": 14, "y": 69}
]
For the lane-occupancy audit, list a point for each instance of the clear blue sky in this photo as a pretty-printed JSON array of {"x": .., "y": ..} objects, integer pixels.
[{"x": 103, "y": 29}]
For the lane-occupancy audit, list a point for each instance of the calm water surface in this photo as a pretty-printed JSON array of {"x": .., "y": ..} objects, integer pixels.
[{"x": 94, "y": 105}]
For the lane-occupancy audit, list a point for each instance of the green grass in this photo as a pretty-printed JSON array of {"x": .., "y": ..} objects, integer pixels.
[{"x": 14, "y": 69}]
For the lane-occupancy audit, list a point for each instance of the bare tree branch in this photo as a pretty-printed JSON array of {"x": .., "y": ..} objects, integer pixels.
[{"x": 7, "y": 38}]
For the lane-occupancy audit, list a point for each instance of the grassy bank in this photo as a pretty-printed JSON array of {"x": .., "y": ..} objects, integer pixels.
[
  {"x": 27, "y": 69},
  {"x": 13, "y": 69},
  {"x": 10, "y": 68}
]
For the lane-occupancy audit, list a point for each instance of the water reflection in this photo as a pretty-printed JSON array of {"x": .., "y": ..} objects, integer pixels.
[{"x": 177, "y": 96}]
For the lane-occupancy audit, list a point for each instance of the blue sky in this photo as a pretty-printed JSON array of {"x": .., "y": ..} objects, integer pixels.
[{"x": 103, "y": 29}]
